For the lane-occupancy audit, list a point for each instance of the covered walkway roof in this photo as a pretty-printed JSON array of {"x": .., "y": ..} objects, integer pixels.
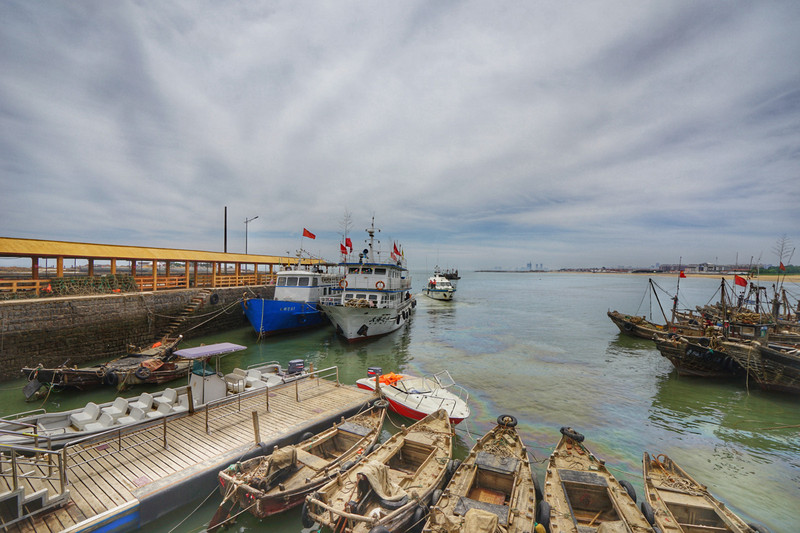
[{"x": 11, "y": 247}]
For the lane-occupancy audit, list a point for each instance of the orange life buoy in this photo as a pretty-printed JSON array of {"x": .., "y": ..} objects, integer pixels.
[
  {"x": 380, "y": 285},
  {"x": 343, "y": 284}
]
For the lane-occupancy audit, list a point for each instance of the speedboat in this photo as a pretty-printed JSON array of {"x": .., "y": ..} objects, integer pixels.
[
  {"x": 376, "y": 294},
  {"x": 294, "y": 304},
  {"x": 417, "y": 397},
  {"x": 439, "y": 287}
]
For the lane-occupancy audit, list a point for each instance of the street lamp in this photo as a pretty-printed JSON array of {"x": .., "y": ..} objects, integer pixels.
[{"x": 246, "y": 222}]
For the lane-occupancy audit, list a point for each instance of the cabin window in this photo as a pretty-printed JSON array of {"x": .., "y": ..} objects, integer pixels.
[
  {"x": 366, "y": 270},
  {"x": 361, "y": 296},
  {"x": 281, "y": 281},
  {"x": 302, "y": 282},
  {"x": 291, "y": 281},
  {"x": 381, "y": 271},
  {"x": 314, "y": 282},
  {"x": 373, "y": 297},
  {"x": 352, "y": 270}
]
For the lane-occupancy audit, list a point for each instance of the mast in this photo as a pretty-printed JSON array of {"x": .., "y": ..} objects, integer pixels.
[{"x": 650, "y": 280}]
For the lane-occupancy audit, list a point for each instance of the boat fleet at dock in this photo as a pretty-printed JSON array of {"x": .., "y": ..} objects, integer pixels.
[{"x": 742, "y": 335}]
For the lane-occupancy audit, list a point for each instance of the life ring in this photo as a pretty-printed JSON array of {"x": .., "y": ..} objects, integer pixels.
[
  {"x": 343, "y": 284},
  {"x": 380, "y": 285},
  {"x": 142, "y": 373},
  {"x": 572, "y": 434},
  {"x": 506, "y": 421},
  {"x": 214, "y": 299}
]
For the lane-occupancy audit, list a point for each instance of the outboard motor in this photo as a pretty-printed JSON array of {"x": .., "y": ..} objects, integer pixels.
[
  {"x": 295, "y": 366},
  {"x": 374, "y": 371}
]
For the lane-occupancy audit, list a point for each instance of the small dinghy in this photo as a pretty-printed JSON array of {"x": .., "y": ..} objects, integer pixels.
[
  {"x": 492, "y": 491},
  {"x": 270, "y": 484},
  {"x": 392, "y": 489},
  {"x": 417, "y": 397},
  {"x": 582, "y": 496},
  {"x": 676, "y": 503}
]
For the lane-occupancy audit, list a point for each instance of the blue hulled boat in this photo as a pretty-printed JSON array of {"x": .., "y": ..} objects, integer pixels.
[{"x": 294, "y": 305}]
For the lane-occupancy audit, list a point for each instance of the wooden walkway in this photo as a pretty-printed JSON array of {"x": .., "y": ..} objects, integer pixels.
[{"x": 133, "y": 479}]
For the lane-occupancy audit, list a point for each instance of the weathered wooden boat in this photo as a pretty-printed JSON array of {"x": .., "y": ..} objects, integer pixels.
[
  {"x": 417, "y": 397},
  {"x": 392, "y": 489},
  {"x": 153, "y": 365},
  {"x": 639, "y": 326},
  {"x": 676, "y": 503},
  {"x": 494, "y": 484},
  {"x": 773, "y": 366},
  {"x": 271, "y": 484},
  {"x": 582, "y": 496},
  {"x": 704, "y": 357}
]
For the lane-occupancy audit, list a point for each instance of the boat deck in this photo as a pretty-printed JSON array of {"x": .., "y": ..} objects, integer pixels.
[{"x": 126, "y": 481}]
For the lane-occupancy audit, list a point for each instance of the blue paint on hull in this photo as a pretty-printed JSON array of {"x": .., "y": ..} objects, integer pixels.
[{"x": 269, "y": 317}]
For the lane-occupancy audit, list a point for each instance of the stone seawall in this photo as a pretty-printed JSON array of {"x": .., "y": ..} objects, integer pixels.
[{"x": 83, "y": 329}]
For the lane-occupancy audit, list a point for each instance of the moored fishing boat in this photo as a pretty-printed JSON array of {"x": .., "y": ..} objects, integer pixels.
[
  {"x": 271, "y": 484},
  {"x": 582, "y": 496},
  {"x": 676, "y": 503},
  {"x": 439, "y": 287},
  {"x": 494, "y": 483},
  {"x": 639, "y": 326},
  {"x": 773, "y": 366},
  {"x": 704, "y": 357},
  {"x": 393, "y": 487},
  {"x": 417, "y": 397},
  {"x": 294, "y": 304},
  {"x": 153, "y": 365},
  {"x": 376, "y": 294}
]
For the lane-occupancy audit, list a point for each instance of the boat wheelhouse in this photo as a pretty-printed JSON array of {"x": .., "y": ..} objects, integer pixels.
[
  {"x": 294, "y": 304},
  {"x": 375, "y": 296}
]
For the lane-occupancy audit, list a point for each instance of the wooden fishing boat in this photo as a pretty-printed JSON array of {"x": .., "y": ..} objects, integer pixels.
[
  {"x": 392, "y": 489},
  {"x": 773, "y": 366},
  {"x": 271, "y": 484},
  {"x": 417, "y": 397},
  {"x": 582, "y": 496},
  {"x": 704, "y": 357},
  {"x": 152, "y": 365},
  {"x": 676, "y": 503},
  {"x": 494, "y": 482},
  {"x": 639, "y": 326}
]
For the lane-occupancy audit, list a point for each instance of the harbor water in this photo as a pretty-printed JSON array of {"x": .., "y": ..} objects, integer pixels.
[{"x": 541, "y": 348}]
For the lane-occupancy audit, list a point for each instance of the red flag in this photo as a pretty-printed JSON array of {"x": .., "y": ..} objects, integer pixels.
[
  {"x": 348, "y": 243},
  {"x": 682, "y": 275},
  {"x": 782, "y": 267},
  {"x": 308, "y": 234},
  {"x": 740, "y": 281},
  {"x": 342, "y": 248},
  {"x": 396, "y": 251}
]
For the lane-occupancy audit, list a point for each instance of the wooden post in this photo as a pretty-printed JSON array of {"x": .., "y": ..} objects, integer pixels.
[
  {"x": 191, "y": 400},
  {"x": 155, "y": 274},
  {"x": 90, "y": 268},
  {"x": 60, "y": 266},
  {"x": 256, "y": 430}
]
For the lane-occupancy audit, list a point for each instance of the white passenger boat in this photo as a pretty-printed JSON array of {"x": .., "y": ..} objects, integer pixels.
[
  {"x": 439, "y": 287},
  {"x": 376, "y": 295},
  {"x": 417, "y": 397},
  {"x": 206, "y": 384}
]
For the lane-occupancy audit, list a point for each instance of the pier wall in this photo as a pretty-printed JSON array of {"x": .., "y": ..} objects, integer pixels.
[{"x": 81, "y": 329}]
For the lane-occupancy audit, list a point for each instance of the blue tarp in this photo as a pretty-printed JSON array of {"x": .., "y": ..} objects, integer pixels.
[{"x": 202, "y": 352}]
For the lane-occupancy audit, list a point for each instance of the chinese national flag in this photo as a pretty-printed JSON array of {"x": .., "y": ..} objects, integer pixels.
[
  {"x": 308, "y": 234},
  {"x": 348, "y": 243},
  {"x": 740, "y": 281},
  {"x": 682, "y": 275},
  {"x": 396, "y": 251},
  {"x": 782, "y": 267},
  {"x": 342, "y": 248}
]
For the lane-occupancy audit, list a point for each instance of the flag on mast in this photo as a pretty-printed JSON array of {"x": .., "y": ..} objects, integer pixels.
[
  {"x": 740, "y": 281},
  {"x": 308, "y": 234}
]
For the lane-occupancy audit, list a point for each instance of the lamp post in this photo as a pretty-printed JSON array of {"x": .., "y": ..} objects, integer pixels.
[{"x": 246, "y": 222}]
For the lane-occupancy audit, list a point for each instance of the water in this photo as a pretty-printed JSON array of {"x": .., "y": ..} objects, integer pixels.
[{"x": 540, "y": 347}]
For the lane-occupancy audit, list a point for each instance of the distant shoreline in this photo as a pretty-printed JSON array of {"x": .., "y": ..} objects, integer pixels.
[{"x": 762, "y": 277}]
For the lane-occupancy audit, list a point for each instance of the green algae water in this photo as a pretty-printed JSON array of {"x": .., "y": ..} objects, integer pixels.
[{"x": 540, "y": 347}]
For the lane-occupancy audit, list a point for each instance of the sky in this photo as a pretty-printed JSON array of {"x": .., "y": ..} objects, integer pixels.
[{"x": 478, "y": 134}]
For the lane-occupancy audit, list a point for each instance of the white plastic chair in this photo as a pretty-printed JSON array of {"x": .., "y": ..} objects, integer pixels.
[
  {"x": 87, "y": 416},
  {"x": 137, "y": 415},
  {"x": 145, "y": 402},
  {"x": 116, "y": 410},
  {"x": 163, "y": 409},
  {"x": 104, "y": 422},
  {"x": 182, "y": 405},
  {"x": 168, "y": 396}
]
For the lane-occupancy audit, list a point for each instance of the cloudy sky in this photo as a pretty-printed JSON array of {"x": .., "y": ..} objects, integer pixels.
[{"x": 478, "y": 134}]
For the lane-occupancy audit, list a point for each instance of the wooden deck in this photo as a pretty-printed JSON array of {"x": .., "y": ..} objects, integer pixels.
[{"x": 132, "y": 479}]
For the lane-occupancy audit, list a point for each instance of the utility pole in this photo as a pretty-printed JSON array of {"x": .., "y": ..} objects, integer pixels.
[{"x": 246, "y": 222}]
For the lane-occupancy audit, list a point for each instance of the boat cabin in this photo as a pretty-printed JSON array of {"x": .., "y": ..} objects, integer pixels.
[{"x": 304, "y": 285}]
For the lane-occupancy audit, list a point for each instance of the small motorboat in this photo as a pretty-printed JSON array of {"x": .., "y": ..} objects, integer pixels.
[
  {"x": 417, "y": 397},
  {"x": 392, "y": 488},
  {"x": 582, "y": 496},
  {"x": 439, "y": 287},
  {"x": 273, "y": 483},
  {"x": 493, "y": 485},
  {"x": 676, "y": 503}
]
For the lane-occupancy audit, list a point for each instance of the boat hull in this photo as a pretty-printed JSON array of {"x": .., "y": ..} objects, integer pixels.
[
  {"x": 773, "y": 369},
  {"x": 439, "y": 294},
  {"x": 691, "y": 359},
  {"x": 635, "y": 326},
  {"x": 359, "y": 323},
  {"x": 393, "y": 396},
  {"x": 271, "y": 317}
]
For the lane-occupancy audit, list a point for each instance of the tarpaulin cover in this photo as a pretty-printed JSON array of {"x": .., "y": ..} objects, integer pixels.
[
  {"x": 378, "y": 475},
  {"x": 201, "y": 352}
]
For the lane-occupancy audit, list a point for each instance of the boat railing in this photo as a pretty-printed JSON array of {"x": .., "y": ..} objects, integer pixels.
[
  {"x": 34, "y": 434},
  {"x": 331, "y": 300},
  {"x": 16, "y": 416}
]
